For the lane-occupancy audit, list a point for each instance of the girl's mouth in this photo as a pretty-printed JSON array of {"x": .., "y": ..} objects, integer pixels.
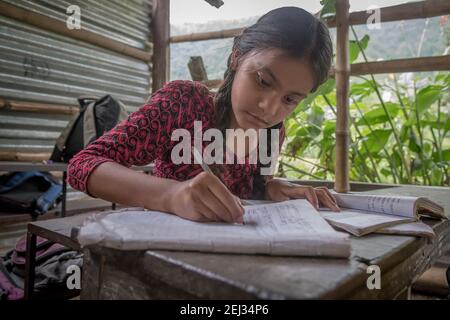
[{"x": 257, "y": 119}]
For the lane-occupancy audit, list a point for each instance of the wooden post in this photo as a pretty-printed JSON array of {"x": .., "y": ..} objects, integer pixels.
[
  {"x": 197, "y": 69},
  {"x": 342, "y": 90},
  {"x": 161, "y": 47}
]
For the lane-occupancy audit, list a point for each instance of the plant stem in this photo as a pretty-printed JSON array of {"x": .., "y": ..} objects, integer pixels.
[
  {"x": 356, "y": 149},
  {"x": 299, "y": 170},
  {"x": 394, "y": 131},
  {"x": 307, "y": 161},
  {"x": 388, "y": 156},
  {"x": 419, "y": 130}
]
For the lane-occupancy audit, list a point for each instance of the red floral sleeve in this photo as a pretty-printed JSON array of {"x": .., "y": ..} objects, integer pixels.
[{"x": 143, "y": 136}]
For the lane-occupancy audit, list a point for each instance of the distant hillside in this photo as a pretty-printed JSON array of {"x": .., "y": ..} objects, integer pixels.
[{"x": 393, "y": 41}]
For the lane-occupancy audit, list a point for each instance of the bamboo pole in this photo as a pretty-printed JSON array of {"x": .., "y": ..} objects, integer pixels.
[
  {"x": 215, "y": 83},
  {"x": 15, "y": 105},
  {"x": 342, "y": 90},
  {"x": 23, "y": 156},
  {"x": 59, "y": 27},
  {"x": 407, "y": 11},
  {"x": 161, "y": 53},
  {"x": 422, "y": 64},
  {"x": 197, "y": 69},
  {"x": 200, "y": 36},
  {"x": 439, "y": 63}
]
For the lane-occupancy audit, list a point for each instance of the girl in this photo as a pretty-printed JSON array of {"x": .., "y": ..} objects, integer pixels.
[{"x": 274, "y": 64}]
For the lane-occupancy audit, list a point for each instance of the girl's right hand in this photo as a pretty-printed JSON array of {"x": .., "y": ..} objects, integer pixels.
[{"x": 205, "y": 198}]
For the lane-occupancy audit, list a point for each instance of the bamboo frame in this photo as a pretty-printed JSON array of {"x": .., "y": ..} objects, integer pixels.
[
  {"x": 23, "y": 156},
  {"x": 407, "y": 11},
  {"x": 342, "y": 91},
  {"x": 439, "y": 63},
  {"x": 53, "y": 25},
  {"x": 15, "y": 105},
  {"x": 201, "y": 36},
  {"x": 161, "y": 53},
  {"x": 422, "y": 64}
]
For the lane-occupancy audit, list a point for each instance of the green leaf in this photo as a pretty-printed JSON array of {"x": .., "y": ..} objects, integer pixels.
[
  {"x": 377, "y": 139},
  {"x": 404, "y": 132},
  {"x": 291, "y": 127},
  {"x": 427, "y": 96},
  {"x": 386, "y": 172},
  {"x": 447, "y": 125},
  {"x": 436, "y": 176},
  {"x": 413, "y": 144},
  {"x": 323, "y": 89},
  {"x": 446, "y": 155},
  {"x": 427, "y": 147},
  {"x": 378, "y": 115},
  {"x": 432, "y": 124},
  {"x": 329, "y": 128},
  {"x": 354, "y": 47},
  {"x": 362, "y": 89},
  {"x": 397, "y": 159},
  {"x": 329, "y": 8},
  {"x": 316, "y": 116}
]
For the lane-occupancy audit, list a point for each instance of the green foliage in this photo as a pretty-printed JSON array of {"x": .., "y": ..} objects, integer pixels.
[
  {"x": 403, "y": 140},
  {"x": 328, "y": 9}
]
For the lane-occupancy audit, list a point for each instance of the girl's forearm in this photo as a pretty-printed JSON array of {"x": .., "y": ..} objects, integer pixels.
[{"x": 116, "y": 183}]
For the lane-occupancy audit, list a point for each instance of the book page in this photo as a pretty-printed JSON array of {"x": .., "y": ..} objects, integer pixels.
[
  {"x": 359, "y": 222},
  {"x": 425, "y": 206},
  {"x": 411, "y": 229},
  {"x": 394, "y": 205},
  {"x": 285, "y": 228}
]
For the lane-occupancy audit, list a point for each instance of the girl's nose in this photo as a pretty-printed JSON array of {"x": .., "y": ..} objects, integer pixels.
[{"x": 268, "y": 106}]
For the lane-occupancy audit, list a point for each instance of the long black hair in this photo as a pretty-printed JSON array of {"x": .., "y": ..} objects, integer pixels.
[{"x": 295, "y": 31}]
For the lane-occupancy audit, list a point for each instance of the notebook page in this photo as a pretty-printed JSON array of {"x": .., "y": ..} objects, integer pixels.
[
  {"x": 395, "y": 205},
  {"x": 290, "y": 227}
]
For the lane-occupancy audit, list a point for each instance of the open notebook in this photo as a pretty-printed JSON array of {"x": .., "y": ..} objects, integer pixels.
[
  {"x": 285, "y": 228},
  {"x": 363, "y": 213}
]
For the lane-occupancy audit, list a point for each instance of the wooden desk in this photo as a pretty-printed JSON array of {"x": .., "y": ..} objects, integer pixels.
[{"x": 113, "y": 274}]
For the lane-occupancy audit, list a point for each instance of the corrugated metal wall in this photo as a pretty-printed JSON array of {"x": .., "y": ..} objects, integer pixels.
[
  {"x": 41, "y": 66},
  {"x": 125, "y": 21}
]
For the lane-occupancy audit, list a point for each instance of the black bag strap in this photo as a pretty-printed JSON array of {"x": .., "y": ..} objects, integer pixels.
[{"x": 84, "y": 101}]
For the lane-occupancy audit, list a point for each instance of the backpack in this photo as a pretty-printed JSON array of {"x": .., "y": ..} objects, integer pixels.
[
  {"x": 96, "y": 117},
  {"x": 52, "y": 262},
  {"x": 29, "y": 192}
]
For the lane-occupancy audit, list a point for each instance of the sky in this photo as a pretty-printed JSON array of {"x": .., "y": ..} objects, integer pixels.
[{"x": 199, "y": 11}]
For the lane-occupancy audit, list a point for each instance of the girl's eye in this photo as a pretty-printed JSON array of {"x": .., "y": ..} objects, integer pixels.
[
  {"x": 261, "y": 81},
  {"x": 291, "y": 102}
]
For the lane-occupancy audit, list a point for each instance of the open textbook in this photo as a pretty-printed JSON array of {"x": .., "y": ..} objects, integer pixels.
[
  {"x": 364, "y": 213},
  {"x": 285, "y": 228}
]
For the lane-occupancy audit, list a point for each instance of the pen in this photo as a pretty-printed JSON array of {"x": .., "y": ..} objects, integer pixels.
[{"x": 198, "y": 157}]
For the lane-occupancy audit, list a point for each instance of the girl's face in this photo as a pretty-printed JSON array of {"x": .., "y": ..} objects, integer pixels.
[{"x": 267, "y": 87}]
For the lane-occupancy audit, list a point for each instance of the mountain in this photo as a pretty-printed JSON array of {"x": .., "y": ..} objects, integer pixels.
[{"x": 394, "y": 40}]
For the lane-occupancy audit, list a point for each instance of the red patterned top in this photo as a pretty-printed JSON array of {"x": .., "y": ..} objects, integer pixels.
[{"x": 145, "y": 137}]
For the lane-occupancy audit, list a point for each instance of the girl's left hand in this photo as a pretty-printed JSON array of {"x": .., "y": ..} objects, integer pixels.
[{"x": 280, "y": 190}]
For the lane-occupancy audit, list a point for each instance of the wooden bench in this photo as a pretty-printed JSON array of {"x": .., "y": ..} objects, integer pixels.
[{"x": 114, "y": 274}]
